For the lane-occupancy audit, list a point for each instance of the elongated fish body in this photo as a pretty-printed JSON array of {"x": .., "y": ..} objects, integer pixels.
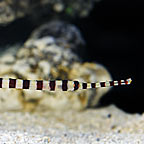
[{"x": 57, "y": 85}]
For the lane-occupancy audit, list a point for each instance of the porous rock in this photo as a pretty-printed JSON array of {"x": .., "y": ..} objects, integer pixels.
[
  {"x": 11, "y": 10},
  {"x": 43, "y": 57}
]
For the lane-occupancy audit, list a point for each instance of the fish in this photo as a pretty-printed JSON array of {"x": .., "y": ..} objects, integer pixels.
[{"x": 58, "y": 85}]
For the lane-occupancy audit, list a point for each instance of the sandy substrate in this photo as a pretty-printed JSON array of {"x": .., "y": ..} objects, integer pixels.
[{"x": 92, "y": 126}]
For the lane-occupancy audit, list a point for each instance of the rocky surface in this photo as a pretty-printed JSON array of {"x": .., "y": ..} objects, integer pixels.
[
  {"x": 96, "y": 126},
  {"x": 11, "y": 10},
  {"x": 51, "y": 53}
]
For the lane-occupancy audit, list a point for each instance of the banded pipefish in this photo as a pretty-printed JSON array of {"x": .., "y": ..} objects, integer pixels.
[{"x": 55, "y": 85}]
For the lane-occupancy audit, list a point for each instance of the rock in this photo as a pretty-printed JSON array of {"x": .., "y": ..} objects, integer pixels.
[
  {"x": 6, "y": 13},
  {"x": 11, "y": 10},
  {"x": 43, "y": 57},
  {"x": 65, "y": 35}
]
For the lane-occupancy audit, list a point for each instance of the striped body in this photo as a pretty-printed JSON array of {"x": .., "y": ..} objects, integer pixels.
[{"x": 55, "y": 85}]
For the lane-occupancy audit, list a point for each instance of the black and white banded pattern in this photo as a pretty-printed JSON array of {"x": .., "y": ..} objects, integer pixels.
[{"x": 54, "y": 85}]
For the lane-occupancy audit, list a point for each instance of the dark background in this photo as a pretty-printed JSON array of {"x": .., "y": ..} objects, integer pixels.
[{"x": 113, "y": 33}]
